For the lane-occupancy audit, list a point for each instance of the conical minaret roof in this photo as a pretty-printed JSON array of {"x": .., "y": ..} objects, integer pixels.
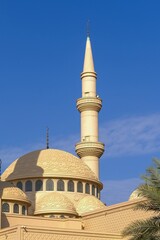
[{"x": 88, "y": 58}]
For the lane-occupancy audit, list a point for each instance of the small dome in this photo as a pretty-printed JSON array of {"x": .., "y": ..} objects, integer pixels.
[
  {"x": 54, "y": 203},
  {"x": 89, "y": 203},
  {"x": 48, "y": 163},
  {"x": 9, "y": 192},
  {"x": 135, "y": 195}
]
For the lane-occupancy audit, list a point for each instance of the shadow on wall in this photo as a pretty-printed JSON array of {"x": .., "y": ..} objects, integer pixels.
[{"x": 4, "y": 222}]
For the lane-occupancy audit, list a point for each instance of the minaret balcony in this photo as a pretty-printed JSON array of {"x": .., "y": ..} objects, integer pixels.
[
  {"x": 89, "y": 149},
  {"x": 89, "y": 103}
]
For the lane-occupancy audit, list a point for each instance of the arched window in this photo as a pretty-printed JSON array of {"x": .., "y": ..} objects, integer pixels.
[
  {"x": 23, "y": 210},
  {"x": 70, "y": 186},
  {"x": 49, "y": 185},
  {"x": 28, "y": 186},
  {"x": 19, "y": 185},
  {"x": 93, "y": 190},
  {"x": 5, "y": 207},
  {"x": 62, "y": 216},
  {"x": 60, "y": 185},
  {"x": 98, "y": 193},
  {"x": 87, "y": 188},
  {"x": 39, "y": 185},
  {"x": 79, "y": 187},
  {"x": 16, "y": 208}
]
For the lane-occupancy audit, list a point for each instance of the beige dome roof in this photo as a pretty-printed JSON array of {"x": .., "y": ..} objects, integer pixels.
[
  {"x": 48, "y": 163},
  {"x": 135, "y": 195},
  {"x": 89, "y": 203},
  {"x": 54, "y": 202},
  {"x": 9, "y": 192}
]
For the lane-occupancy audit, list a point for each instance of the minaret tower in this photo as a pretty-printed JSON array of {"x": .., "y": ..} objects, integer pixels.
[{"x": 89, "y": 149}]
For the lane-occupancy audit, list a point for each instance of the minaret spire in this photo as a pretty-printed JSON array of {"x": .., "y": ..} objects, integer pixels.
[
  {"x": 89, "y": 149},
  {"x": 88, "y": 59}
]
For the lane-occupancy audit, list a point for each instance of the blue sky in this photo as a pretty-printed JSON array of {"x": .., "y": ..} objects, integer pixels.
[{"x": 41, "y": 57}]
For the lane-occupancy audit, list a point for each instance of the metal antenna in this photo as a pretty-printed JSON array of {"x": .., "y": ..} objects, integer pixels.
[
  {"x": 47, "y": 138},
  {"x": 88, "y": 28}
]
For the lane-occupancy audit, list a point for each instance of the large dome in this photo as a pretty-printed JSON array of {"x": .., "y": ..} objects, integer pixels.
[
  {"x": 9, "y": 192},
  {"x": 48, "y": 163}
]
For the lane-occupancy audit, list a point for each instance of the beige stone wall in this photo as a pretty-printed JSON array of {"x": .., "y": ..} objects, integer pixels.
[
  {"x": 114, "y": 219},
  {"x": 9, "y": 234},
  {"x": 103, "y": 224},
  {"x": 9, "y": 220},
  {"x": 36, "y": 233}
]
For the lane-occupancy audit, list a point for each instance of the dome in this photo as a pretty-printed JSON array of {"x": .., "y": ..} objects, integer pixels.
[
  {"x": 48, "y": 163},
  {"x": 54, "y": 203},
  {"x": 89, "y": 203},
  {"x": 9, "y": 192},
  {"x": 135, "y": 195}
]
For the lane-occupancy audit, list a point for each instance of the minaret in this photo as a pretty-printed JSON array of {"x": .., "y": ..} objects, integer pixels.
[{"x": 89, "y": 149}]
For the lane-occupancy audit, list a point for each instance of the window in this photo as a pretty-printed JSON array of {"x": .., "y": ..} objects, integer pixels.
[
  {"x": 62, "y": 216},
  {"x": 23, "y": 210},
  {"x": 19, "y": 185},
  {"x": 70, "y": 186},
  {"x": 87, "y": 188},
  {"x": 93, "y": 190},
  {"x": 49, "y": 185},
  {"x": 79, "y": 187},
  {"x": 86, "y": 94},
  {"x": 60, "y": 185},
  {"x": 39, "y": 185},
  {"x": 28, "y": 186},
  {"x": 98, "y": 193},
  {"x": 16, "y": 208},
  {"x": 5, "y": 207}
]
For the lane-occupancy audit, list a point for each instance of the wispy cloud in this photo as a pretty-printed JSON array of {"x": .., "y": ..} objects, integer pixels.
[
  {"x": 132, "y": 135},
  {"x": 66, "y": 143},
  {"x": 126, "y": 136},
  {"x": 116, "y": 191}
]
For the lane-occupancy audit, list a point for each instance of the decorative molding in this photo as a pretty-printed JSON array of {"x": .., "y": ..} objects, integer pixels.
[
  {"x": 89, "y": 103},
  {"x": 89, "y": 149}
]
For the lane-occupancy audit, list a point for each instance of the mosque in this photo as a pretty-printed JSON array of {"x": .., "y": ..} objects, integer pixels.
[{"x": 50, "y": 194}]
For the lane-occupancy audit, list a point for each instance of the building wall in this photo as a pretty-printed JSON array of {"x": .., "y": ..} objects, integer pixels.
[
  {"x": 9, "y": 234},
  {"x": 11, "y": 220},
  {"x": 97, "y": 225},
  {"x": 114, "y": 219},
  {"x": 36, "y": 233}
]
